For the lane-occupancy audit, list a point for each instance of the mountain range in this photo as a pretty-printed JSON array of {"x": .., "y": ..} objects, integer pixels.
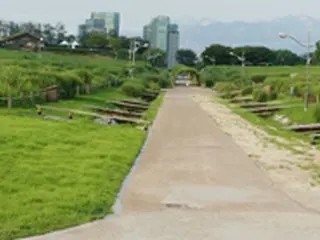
[{"x": 201, "y": 33}]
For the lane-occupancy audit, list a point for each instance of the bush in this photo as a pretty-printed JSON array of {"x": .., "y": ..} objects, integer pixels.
[
  {"x": 165, "y": 83},
  {"x": 225, "y": 86},
  {"x": 209, "y": 83},
  {"x": 247, "y": 90},
  {"x": 84, "y": 75},
  {"x": 68, "y": 81},
  {"x": 299, "y": 89},
  {"x": 258, "y": 78},
  {"x": 260, "y": 96},
  {"x": 97, "y": 81},
  {"x": 316, "y": 113},
  {"x": 133, "y": 87},
  {"x": 154, "y": 86},
  {"x": 273, "y": 96}
]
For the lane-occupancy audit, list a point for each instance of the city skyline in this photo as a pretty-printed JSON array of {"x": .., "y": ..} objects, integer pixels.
[
  {"x": 228, "y": 10},
  {"x": 162, "y": 34}
]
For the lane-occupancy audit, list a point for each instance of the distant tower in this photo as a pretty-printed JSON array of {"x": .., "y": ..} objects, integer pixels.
[
  {"x": 173, "y": 43},
  {"x": 163, "y": 35},
  {"x": 111, "y": 19}
]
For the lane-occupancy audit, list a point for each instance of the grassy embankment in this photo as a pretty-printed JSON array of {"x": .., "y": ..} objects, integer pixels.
[{"x": 57, "y": 174}]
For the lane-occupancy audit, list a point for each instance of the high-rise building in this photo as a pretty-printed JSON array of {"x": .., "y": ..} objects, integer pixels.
[
  {"x": 147, "y": 33},
  {"x": 173, "y": 43},
  {"x": 95, "y": 25},
  {"x": 163, "y": 35},
  {"x": 111, "y": 19},
  {"x": 159, "y": 29}
]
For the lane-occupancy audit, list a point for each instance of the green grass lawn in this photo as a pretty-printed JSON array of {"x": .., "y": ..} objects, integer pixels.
[{"x": 56, "y": 175}]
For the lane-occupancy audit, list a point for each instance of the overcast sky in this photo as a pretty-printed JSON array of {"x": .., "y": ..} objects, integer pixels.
[{"x": 135, "y": 13}]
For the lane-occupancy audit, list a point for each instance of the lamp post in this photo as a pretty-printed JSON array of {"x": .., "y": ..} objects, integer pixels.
[
  {"x": 308, "y": 47},
  {"x": 134, "y": 47},
  {"x": 242, "y": 59}
]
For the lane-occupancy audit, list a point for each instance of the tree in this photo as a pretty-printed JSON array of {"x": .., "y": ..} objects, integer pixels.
[
  {"x": 186, "y": 57},
  {"x": 114, "y": 43},
  {"x": 286, "y": 57},
  {"x": 156, "y": 57},
  {"x": 98, "y": 40},
  {"x": 13, "y": 28},
  {"x": 49, "y": 33},
  {"x": 70, "y": 38},
  {"x": 256, "y": 55},
  {"x": 124, "y": 42},
  {"x": 112, "y": 33},
  {"x": 60, "y": 32},
  {"x": 219, "y": 52},
  {"x": 316, "y": 53}
]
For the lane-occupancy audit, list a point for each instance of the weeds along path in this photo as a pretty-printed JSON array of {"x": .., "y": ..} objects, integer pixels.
[{"x": 292, "y": 165}]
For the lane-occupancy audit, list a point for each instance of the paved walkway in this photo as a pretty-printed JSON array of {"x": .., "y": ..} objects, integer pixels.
[{"x": 193, "y": 182}]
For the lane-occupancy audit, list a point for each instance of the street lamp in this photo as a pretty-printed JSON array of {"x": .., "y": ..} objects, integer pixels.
[
  {"x": 242, "y": 59},
  {"x": 308, "y": 47},
  {"x": 134, "y": 47}
]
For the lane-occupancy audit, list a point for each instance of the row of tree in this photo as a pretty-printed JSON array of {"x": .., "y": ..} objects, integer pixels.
[
  {"x": 217, "y": 54},
  {"x": 51, "y": 33}
]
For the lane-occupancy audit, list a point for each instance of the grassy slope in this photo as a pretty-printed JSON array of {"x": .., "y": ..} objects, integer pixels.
[{"x": 60, "y": 174}]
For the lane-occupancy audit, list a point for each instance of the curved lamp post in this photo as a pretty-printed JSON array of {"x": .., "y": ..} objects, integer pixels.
[
  {"x": 242, "y": 59},
  {"x": 308, "y": 47},
  {"x": 134, "y": 47}
]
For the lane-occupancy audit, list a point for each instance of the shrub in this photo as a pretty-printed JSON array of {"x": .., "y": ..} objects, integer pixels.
[
  {"x": 68, "y": 81},
  {"x": 258, "y": 78},
  {"x": 84, "y": 75},
  {"x": 97, "y": 81},
  {"x": 209, "y": 83},
  {"x": 165, "y": 83},
  {"x": 225, "y": 86},
  {"x": 316, "y": 113},
  {"x": 299, "y": 89},
  {"x": 260, "y": 96},
  {"x": 154, "y": 86},
  {"x": 133, "y": 87},
  {"x": 273, "y": 96},
  {"x": 247, "y": 90}
]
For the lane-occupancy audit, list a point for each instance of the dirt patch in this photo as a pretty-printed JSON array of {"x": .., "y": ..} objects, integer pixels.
[{"x": 280, "y": 159}]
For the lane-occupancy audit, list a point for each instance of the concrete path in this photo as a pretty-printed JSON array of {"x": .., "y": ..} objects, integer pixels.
[{"x": 193, "y": 182}]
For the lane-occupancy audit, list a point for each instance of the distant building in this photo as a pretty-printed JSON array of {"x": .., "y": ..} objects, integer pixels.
[
  {"x": 173, "y": 43},
  {"x": 161, "y": 34},
  {"x": 147, "y": 33},
  {"x": 23, "y": 40},
  {"x": 111, "y": 20},
  {"x": 159, "y": 29},
  {"x": 95, "y": 25},
  {"x": 101, "y": 22}
]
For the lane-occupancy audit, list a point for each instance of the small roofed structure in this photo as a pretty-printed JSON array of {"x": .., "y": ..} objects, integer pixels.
[
  {"x": 23, "y": 40},
  {"x": 64, "y": 43},
  {"x": 51, "y": 94},
  {"x": 74, "y": 44}
]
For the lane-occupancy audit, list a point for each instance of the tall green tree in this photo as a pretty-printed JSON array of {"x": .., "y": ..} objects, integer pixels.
[
  {"x": 186, "y": 57},
  {"x": 219, "y": 52},
  {"x": 316, "y": 54},
  {"x": 97, "y": 40},
  {"x": 114, "y": 44},
  {"x": 156, "y": 57}
]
